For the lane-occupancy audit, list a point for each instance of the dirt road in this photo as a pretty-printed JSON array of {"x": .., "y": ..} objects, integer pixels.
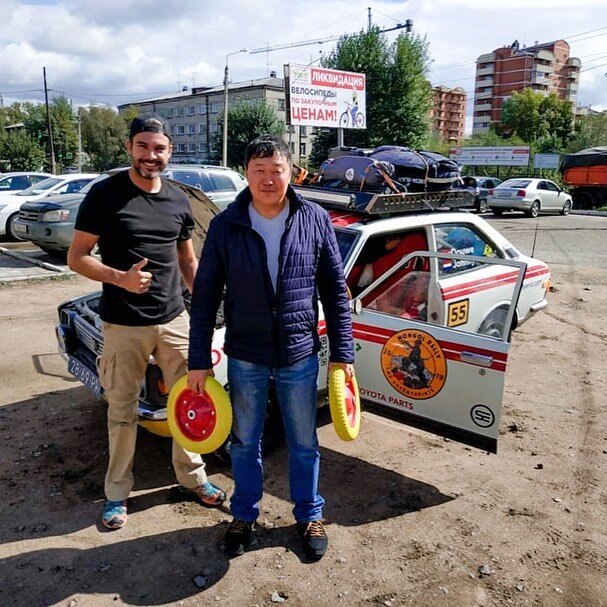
[{"x": 413, "y": 519}]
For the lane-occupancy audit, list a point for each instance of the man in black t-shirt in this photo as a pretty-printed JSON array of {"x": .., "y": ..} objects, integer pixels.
[{"x": 143, "y": 227}]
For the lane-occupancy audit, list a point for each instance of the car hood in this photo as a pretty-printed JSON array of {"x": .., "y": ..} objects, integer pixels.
[
  {"x": 61, "y": 200},
  {"x": 8, "y": 193},
  {"x": 203, "y": 210}
]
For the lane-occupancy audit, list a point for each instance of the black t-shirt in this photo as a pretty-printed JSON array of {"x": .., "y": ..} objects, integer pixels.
[{"x": 133, "y": 225}]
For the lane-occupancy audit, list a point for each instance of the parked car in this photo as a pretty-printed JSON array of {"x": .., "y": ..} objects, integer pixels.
[
  {"x": 479, "y": 187},
  {"x": 49, "y": 223},
  {"x": 11, "y": 183},
  {"x": 532, "y": 196},
  {"x": 59, "y": 184},
  {"x": 437, "y": 363},
  {"x": 220, "y": 184}
]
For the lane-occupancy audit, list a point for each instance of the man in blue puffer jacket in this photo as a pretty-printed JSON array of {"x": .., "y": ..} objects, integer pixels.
[{"x": 275, "y": 253}]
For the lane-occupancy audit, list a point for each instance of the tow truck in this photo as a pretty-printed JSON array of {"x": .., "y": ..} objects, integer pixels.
[{"x": 437, "y": 363}]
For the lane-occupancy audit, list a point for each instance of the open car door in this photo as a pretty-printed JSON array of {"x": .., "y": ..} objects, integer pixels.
[{"x": 414, "y": 366}]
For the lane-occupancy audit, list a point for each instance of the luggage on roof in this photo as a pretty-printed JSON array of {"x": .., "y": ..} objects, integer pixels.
[{"x": 388, "y": 168}]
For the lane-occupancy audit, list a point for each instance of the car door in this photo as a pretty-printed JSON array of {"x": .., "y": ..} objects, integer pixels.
[
  {"x": 413, "y": 368},
  {"x": 552, "y": 191}
]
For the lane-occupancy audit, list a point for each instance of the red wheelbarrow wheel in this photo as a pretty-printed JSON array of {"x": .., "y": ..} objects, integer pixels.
[
  {"x": 344, "y": 402},
  {"x": 199, "y": 422}
]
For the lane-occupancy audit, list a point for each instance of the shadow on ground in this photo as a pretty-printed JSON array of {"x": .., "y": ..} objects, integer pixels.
[{"x": 55, "y": 449}]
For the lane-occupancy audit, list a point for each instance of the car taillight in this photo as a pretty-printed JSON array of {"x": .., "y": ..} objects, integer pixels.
[{"x": 521, "y": 193}]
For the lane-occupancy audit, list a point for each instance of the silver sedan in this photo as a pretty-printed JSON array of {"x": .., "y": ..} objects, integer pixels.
[{"x": 532, "y": 196}]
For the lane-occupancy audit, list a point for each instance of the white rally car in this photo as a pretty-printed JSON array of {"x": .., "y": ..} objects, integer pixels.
[{"x": 435, "y": 296}]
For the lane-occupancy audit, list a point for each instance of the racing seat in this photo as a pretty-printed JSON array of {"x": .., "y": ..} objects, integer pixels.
[{"x": 411, "y": 241}]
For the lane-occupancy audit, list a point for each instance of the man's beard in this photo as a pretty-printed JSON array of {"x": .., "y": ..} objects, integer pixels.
[{"x": 147, "y": 173}]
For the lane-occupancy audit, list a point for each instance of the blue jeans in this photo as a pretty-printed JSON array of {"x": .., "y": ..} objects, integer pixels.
[{"x": 296, "y": 391}]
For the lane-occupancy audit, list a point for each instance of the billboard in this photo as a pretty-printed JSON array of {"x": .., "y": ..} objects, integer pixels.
[
  {"x": 546, "y": 161},
  {"x": 516, "y": 156},
  {"x": 322, "y": 97}
]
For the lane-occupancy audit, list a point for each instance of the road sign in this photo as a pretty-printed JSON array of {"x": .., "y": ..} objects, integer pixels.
[
  {"x": 546, "y": 161},
  {"x": 491, "y": 156}
]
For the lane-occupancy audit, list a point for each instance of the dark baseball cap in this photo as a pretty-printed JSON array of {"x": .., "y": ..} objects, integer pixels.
[{"x": 148, "y": 123}]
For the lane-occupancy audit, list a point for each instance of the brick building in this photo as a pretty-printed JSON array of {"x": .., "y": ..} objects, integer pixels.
[
  {"x": 194, "y": 116},
  {"x": 449, "y": 113},
  {"x": 544, "y": 68}
]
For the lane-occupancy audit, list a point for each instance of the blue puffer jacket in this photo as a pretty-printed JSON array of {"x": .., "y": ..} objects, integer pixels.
[{"x": 264, "y": 327}]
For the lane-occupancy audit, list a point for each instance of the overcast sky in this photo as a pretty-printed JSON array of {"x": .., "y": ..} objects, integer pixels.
[{"x": 115, "y": 51}]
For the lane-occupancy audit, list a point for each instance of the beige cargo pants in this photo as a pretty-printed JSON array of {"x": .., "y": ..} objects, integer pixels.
[{"x": 126, "y": 351}]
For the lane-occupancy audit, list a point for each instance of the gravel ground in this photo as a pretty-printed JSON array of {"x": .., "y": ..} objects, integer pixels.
[{"x": 413, "y": 520}]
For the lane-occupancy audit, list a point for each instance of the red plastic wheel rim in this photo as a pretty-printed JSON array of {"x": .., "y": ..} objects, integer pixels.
[
  {"x": 350, "y": 405},
  {"x": 195, "y": 414}
]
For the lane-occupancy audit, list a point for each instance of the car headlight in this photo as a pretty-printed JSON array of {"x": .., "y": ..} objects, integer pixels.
[
  {"x": 3, "y": 206},
  {"x": 57, "y": 215}
]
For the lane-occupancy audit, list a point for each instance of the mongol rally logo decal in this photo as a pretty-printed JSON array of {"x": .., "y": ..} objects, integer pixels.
[{"x": 414, "y": 364}]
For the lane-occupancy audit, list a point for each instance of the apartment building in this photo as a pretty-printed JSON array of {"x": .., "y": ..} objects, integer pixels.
[
  {"x": 544, "y": 68},
  {"x": 195, "y": 116},
  {"x": 449, "y": 113}
]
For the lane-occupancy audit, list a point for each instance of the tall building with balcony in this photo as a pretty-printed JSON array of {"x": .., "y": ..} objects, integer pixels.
[
  {"x": 545, "y": 68},
  {"x": 449, "y": 113},
  {"x": 195, "y": 116}
]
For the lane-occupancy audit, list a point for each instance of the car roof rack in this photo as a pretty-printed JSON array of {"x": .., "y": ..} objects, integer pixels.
[{"x": 373, "y": 203}]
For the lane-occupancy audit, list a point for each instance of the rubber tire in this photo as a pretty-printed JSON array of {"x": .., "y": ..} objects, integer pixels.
[
  {"x": 9, "y": 228},
  {"x": 337, "y": 404},
  {"x": 223, "y": 412},
  {"x": 534, "y": 211},
  {"x": 481, "y": 205},
  {"x": 566, "y": 208},
  {"x": 497, "y": 212},
  {"x": 493, "y": 324}
]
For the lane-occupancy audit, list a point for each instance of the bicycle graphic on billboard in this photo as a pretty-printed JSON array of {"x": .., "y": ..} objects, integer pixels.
[{"x": 351, "y": 117}]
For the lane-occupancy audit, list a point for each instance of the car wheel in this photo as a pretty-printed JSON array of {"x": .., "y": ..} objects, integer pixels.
[
  {"x": 498, "y": 212},
  {"x": 566, "y": 208},
  {"x": 481, "y": 205},
  {"x": 534, "y": 211},
  {"x": 10, "y": 227},
  {"x": 493, "y": 325}
]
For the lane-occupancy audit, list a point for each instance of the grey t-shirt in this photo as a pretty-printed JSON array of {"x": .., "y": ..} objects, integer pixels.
[{"x": 271, "y": 230}]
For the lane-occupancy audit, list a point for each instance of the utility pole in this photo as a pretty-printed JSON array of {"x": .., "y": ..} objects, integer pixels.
[
  {"x": 79, "y": 143},
  {"x": 49, "y": 127},
  {"x": 369, "y": 22}
]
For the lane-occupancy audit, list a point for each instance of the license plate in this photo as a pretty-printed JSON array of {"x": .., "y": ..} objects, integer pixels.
[
  {"x": 503, "y": 194},
  {"x": 85, "y": 375},
  {"x": 20, "y": 227}
]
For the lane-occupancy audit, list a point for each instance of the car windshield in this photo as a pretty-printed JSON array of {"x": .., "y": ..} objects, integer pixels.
[
  {"x": 515, "y": 183},
  {"x": 345, "y": 240},
  {"x": 90, "y": 184},
  {"x": 40, "y": 187}
]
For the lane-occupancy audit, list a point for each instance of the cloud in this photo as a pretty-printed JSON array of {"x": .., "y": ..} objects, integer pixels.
[{"x": 120, "y": 50}]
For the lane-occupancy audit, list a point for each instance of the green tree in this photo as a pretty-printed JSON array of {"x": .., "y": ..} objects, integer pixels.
[
  {"x": 546, "y": 122},
  {"x": 65, "y": 132},
  {"x": 246, "y": 120},
  {"x": 103, "y": 135},
  {"x": 20, "y": 152},
  {"x": 589, "y": 132},
  {"x": 398, "y": 95}
]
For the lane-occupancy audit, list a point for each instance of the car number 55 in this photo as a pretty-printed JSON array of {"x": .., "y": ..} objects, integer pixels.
[{"x": 458, "y": 313}]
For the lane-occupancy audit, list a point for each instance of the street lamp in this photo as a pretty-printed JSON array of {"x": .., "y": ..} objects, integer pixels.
[{"x": 225, "y": 106}]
